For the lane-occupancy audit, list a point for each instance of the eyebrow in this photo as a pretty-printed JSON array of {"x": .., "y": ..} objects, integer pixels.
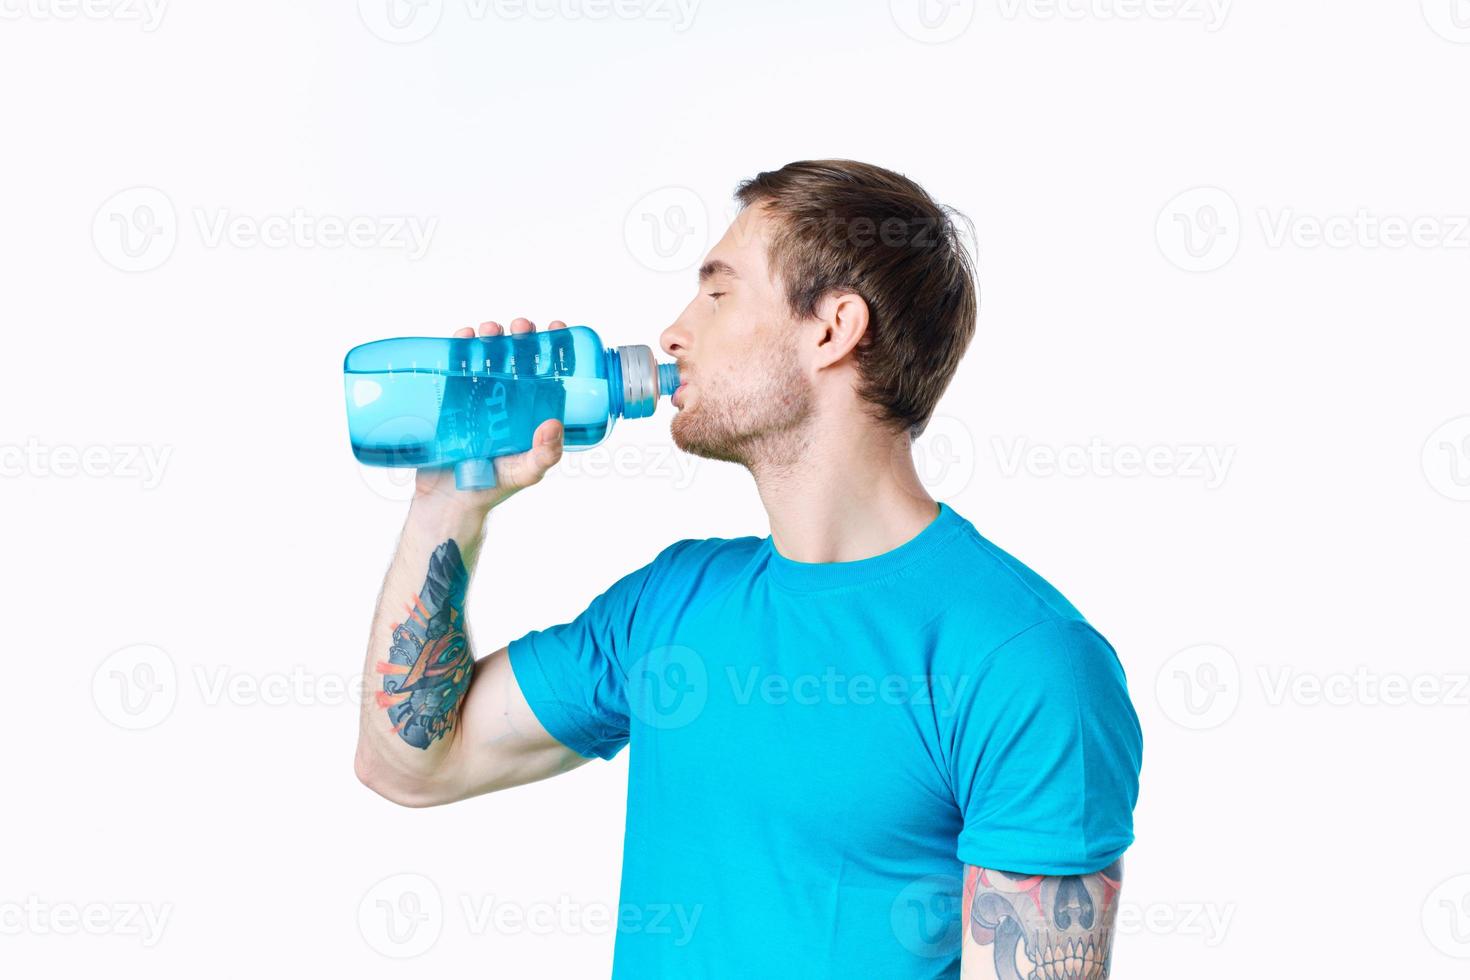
[{"x": 717, "y": 267}]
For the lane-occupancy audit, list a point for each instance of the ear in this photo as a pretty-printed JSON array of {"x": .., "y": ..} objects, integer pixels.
[{"x": 842, "y": 322}]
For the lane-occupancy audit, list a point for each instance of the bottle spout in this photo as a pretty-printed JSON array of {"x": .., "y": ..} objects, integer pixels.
[
  {"x": 642, "y": 380},
  {"x": 474, "y": 474}
]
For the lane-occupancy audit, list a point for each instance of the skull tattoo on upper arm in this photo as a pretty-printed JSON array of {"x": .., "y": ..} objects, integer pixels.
[{"x": 1043, "y": 927}]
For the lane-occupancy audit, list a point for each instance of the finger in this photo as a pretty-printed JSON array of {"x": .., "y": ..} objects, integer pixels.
[
  {"x": 465, "y": 332},
  {"x": 490, "y": 329},
  {"x": 521, "y": 325},
  {"x": 556, "y": 325}
]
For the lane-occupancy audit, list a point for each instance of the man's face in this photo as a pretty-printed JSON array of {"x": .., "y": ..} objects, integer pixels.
[{"x": 744, "y": 396}]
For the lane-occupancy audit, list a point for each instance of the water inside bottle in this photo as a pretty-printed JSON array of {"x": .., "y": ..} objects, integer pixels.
[{"x": 436, "y": 418}]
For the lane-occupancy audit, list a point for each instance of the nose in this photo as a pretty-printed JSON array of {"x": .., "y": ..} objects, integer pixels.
[{"x": 674, "y": 341}]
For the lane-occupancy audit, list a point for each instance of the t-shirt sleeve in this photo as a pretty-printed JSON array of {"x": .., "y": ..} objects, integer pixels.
[
  {"x": 1046, "y": 754},
  {"x": 574, "y": 675}
]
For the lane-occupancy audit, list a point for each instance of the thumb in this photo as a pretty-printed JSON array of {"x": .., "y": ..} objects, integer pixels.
[{"x": 527, "y": 468}]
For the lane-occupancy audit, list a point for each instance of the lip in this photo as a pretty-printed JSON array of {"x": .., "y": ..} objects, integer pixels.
[{"x": 676, "y": 398}]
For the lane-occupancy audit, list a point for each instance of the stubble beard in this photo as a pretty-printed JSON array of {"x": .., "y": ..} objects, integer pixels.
[{"x": 758, "y": 426}]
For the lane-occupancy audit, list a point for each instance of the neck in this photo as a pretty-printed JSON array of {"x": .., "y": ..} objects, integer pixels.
[{"x": 841, "y": 493}]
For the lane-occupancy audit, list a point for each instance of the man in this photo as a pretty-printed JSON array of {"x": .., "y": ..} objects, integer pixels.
[{"x": 869, "y": 745}]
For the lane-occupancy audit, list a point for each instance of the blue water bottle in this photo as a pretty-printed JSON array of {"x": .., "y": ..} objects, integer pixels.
[{"x": 462, "y": 401}]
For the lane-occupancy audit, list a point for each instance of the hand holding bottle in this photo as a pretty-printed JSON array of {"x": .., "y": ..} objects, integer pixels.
[{"x": 512, "y": 473}]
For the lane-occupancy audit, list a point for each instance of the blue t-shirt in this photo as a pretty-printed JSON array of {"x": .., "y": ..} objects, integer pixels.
[{"x": 817, "y": 749}]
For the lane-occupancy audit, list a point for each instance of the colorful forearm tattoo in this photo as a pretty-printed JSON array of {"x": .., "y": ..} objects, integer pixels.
[
  {"x": 429, "y": 664},
  {"x": 1040, "y": 927}
]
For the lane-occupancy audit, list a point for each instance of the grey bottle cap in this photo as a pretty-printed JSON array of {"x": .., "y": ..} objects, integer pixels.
[{"x": 640, "y": 381}]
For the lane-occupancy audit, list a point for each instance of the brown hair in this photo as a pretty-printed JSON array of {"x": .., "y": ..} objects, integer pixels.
[{"x": 845, "y": 225}]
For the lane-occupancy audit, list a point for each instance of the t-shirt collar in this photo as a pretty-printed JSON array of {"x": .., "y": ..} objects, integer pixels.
[{"x": 810, "y": 576}]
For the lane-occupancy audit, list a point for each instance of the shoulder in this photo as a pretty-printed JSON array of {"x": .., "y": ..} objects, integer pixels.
[
  {"x": 1006, "y": 617},
  {"x": 699, "y": 562},
  {"x": 998, "y": 597}
]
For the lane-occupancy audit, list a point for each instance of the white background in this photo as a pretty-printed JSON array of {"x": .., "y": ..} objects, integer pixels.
[{"x": 180, "y": 744}]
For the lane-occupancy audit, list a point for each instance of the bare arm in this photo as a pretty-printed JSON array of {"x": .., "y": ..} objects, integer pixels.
[
  {"x": 439, "y": 725},
  {"x": 1039, "y": 927}
]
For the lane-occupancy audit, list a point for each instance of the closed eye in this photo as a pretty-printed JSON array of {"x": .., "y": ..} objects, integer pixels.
[{"x": 714, "y": 295}]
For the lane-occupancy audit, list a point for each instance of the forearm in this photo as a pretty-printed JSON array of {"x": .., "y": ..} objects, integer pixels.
[{"x": 420, "y": 659}]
